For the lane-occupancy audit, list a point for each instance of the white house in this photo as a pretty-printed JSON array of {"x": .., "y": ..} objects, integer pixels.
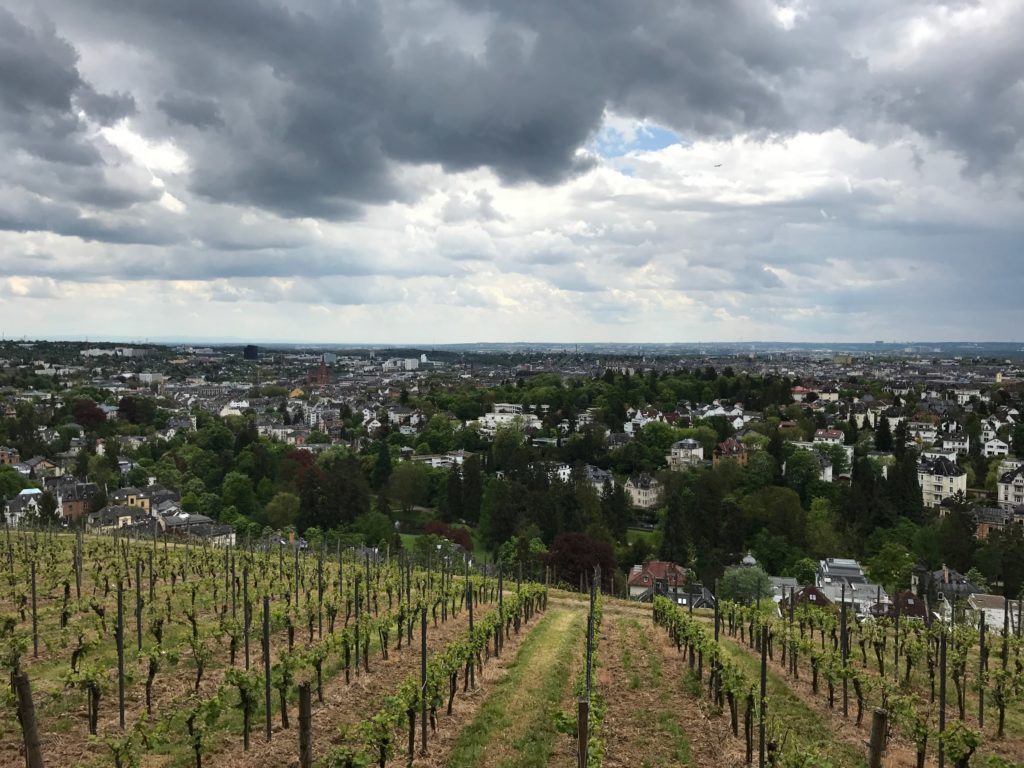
[
  {"x": 995, "y": 447},
  {"x": 1010, "y": 489},
  {"x": 507, "y": 414},
  {"x": 963, "y": 396},
  {"x": 993, "y": 608},
  {"x": 939, "y": 480},
  {"x": 830, "y": 436},
  {"x": 960, "y": 443},
  {"x": 922, "y": 432}
]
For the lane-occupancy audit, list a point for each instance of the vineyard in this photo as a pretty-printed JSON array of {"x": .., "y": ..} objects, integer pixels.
[
  {"x": 124, "y": 653},
  {"x": 128, "y": 653},
  {"x": 950, "y": 694}
]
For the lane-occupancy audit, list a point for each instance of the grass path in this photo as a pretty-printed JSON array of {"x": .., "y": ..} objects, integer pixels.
[
  {"x": 516, "y": 725},
  {"x": 790, "y": 718}
]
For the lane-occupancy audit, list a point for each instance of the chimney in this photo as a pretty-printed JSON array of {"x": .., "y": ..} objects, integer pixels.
[{"x": 945, "y": 574}]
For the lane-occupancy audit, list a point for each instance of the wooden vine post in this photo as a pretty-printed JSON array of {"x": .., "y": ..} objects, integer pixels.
[
  {"x": 942, "y": 696},
  {"x": 762, "y": 722},
  {"x": 246, "y": 613},
  {"x": 305, "y": 727},
  {"x": 27, "y": 716},
  {"x": 120, "y": 652},
  {"x": 35, "y": 623},
  {"x": 844, "y": 650},
  {"x": 138, "y": 603},
  {"x": 583, "y": 721},
  {"x": 423, "y": 681},
  {"x": 876, "y": 747},
  {"x": 266, "y": 666},
  {"x": 982, "y": 669}
]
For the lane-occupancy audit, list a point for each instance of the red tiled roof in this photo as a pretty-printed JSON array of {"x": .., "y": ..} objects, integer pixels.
[{"x": 660, "y": 570}]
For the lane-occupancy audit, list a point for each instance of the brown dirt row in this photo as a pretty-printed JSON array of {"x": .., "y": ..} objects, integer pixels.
[{"x": 712, "y": 744}]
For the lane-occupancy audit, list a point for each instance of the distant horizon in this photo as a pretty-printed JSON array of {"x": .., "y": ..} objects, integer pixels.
[{"x": 228, "y": 341}]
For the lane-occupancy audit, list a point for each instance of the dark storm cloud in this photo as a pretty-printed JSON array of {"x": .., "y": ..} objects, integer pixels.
[
  {"x": 305, "y": 108},
  {"x": 315, "y": 103},
  {"x": 41, "y": 90},
  {"x": 188, "y": 110},
  {"x": 104, "y": 108}
]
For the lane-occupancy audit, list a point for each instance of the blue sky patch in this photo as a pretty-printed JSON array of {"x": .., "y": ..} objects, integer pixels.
[{"x": 611, "y": 142}]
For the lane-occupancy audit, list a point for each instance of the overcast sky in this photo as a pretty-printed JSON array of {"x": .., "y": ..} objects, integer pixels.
[{"x": 540, "y": 170}]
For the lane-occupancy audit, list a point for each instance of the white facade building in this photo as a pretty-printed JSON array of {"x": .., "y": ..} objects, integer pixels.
[{"x": 939, "y": 480}]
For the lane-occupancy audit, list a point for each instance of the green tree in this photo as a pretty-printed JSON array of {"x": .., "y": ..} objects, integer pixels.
[
  {"x": 675, "y": 545},
  {"x": 744, "y": 585},
  {"x": 1017, "y": 440},
  {"x": 883, "y": 434},
  {"x": 375, "y": 527},
  {"x": 837, "y": 455},
  {"x": 823, "y": 530},
  {"x": 508, "y": 441},
  {"x": 615, "y": 509},
  {"x": 760, "y": 471},
  {"x": 410, "y": 484},
  {"x": 451, "y": 509},
  {"x": 805, "y": 571},
  {"x": 137, "y": 477},
  {"x": 802, "y": 469},
  {"x": 237, "y": 492},
  {"x": 381, "y": 473},
  {"x": 47, "y": 507},
  {"x": 11, "y": 482},
  {"x": 472, "y": 489},
  {"x": 100, "y": 471},
  {"x": 891, "y": 567},
  {"x": 283, "y": 510},
  {"x": 956, "y": 538}
]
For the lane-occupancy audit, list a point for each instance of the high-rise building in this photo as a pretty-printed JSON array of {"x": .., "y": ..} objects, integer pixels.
[{"x": 251, "y": 352}]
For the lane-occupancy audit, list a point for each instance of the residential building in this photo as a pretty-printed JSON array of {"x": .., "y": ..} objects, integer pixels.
[
  {"x": 951, "y": 584},
  {"x": 830, "y": 436},
  {"x": 22, "y": 507},
  {"x": 922, "y": 432},
  {"x": 730, "y": 449},
  {"x": 39, "y": 467},
  {"x": 644, "y": 491},
  {"x": 995, "y": 447},
  {"x": 318, "y": 376},
  {"x": 74, "y": 497},
  {"x": 999, "y": 612},
  {"x": 9, "y": 456},
  {"x": 904, "y": 604},
  {"x": 940, "y": 479},
  {"x": 685, "y": 453},
  {"x": 808, "y": 595},
  {"x": 1010, "y": 489},
  {"x": 960, "y": 443},
  {"x": 656, "y": 577},
  {"x": 990, "y": 519},
  {"x": 145, "y": 499},
  {"x": 839, "y": 570},
  {"x": 116, "y": 516}
]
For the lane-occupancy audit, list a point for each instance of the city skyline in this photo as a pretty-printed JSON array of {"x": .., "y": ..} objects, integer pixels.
[{"x": 446, "y": 172}]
